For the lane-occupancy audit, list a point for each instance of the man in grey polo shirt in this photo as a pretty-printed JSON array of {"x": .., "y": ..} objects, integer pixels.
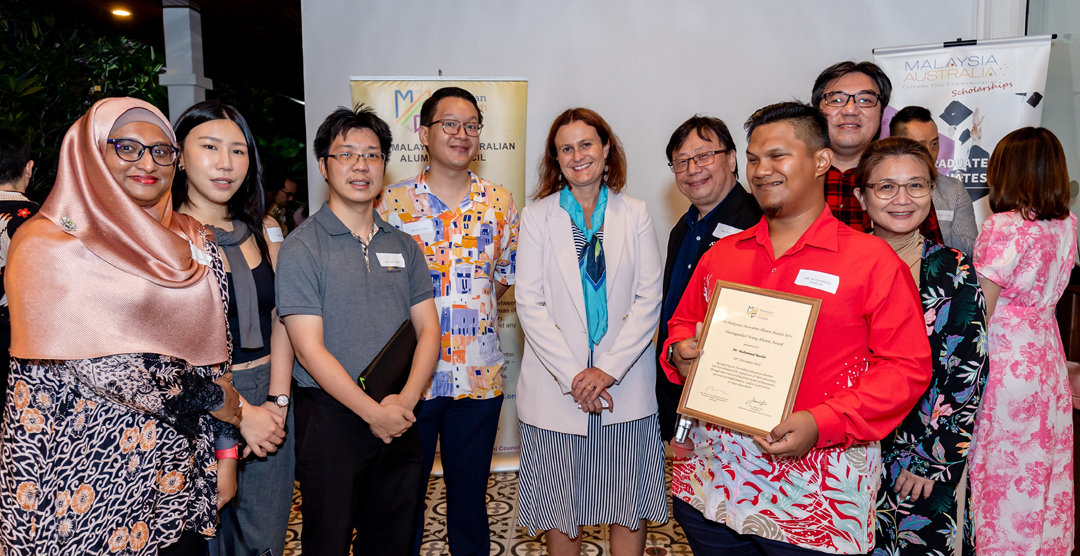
[
  {"x": 955, "y": 212},
  {"x": 346, "y": 280}
]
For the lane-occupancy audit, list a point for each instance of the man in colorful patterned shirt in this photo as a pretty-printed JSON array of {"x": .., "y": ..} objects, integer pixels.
[
  {"x": 467, "y": 228},
  {"x": 852, "y": 96},
  {"x": 810, "y": 485}
]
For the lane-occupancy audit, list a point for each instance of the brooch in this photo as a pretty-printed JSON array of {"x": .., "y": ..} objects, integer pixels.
[{"x": 68, "y": 224}]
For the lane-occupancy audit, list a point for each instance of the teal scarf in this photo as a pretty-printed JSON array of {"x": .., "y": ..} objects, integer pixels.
[{"x": 591, "y": 262}]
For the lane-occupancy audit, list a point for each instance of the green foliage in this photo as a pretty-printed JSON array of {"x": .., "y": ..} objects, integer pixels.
[{"x": 52, "y": 70}]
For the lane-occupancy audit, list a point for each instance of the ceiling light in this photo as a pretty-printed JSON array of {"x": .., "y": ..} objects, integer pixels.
[{"x": 121, "y": 13}]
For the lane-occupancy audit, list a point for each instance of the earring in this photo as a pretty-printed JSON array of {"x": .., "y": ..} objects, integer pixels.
[{"x": 181, "y": 166}]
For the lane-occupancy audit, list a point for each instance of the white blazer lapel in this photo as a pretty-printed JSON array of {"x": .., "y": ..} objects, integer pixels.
[
  {"x": 562, "y": 247},
  {"x": 614, "y": 234}
]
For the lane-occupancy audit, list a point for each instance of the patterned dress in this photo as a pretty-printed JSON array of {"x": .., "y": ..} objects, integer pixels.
[
  {"x": 109, "y": 455},
  {"x": 1021, "y": 465},
  {"x": 934, "y": 439}
]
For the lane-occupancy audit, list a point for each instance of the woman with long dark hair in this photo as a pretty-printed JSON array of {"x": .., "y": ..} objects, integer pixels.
[{"x": 219, "y": 183}]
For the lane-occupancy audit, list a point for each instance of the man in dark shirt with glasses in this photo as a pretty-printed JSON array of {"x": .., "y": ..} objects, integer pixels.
[
  {"x": 702, "y": 156},
  {"x": 852, "y": 97}
]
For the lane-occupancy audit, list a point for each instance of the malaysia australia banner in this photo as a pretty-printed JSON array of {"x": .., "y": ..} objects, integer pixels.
[{"x": 977, "y": 91}]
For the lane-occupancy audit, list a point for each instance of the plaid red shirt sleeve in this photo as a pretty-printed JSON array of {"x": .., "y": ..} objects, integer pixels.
[{"x": 840, "y": 196}]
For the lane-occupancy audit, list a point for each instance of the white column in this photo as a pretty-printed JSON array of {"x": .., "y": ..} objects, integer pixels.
[
  {"x": 183, "y": 56},
  {"x": 998, "y": 19}
]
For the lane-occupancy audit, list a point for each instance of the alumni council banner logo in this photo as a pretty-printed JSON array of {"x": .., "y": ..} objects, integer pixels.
[
  {"x": 977, "y": 94},
  {"x": 500, "y": 159}
]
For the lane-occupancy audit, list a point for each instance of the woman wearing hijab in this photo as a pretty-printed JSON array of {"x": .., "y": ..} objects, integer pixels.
[
  {"x": 119, "y": 351},
  {"x": 925, "y": 458},
  {"x": 219, "y": 183},
  {"x": 588, "y": 297}
]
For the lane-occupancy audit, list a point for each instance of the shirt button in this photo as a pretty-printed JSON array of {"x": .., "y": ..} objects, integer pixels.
[
  {"x": 688, "y": 266},
  {"x": 698, "y": 238},
  {"x": 774, "y": 271}
]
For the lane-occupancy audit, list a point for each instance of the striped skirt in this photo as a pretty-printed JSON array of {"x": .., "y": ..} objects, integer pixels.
[{"x": 613, "y": 475}]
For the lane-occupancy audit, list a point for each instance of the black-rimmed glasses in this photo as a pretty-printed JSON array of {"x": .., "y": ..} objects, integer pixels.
[
  {"x": 352, "y": 158},
  {"x": 887, "y": 189},
  {"x": 680, "y": 165},
  {"x": 130, "y": 150},
  {"x": 451, "y": 127},
  {"x": 863, "y": 99}
]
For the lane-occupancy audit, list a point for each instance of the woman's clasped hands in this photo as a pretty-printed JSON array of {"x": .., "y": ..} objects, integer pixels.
[{"x": 590, "y": 390}]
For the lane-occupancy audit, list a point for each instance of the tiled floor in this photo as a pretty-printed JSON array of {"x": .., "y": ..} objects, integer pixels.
[{"x": 507, "y": 538}]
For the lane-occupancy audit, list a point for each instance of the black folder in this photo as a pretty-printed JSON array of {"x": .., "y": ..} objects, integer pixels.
[{"x": 389, "y": 371}]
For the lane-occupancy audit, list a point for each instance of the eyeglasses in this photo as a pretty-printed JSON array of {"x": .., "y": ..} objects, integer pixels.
[
  {"x": 451, "y": 127},
  {"x": 680, "y": 165},
  {"x": 863, "y": 99},
  {"x": 887, "y": 189},
  {"x": 131, "y": 150},
  {"x": 350, "y": 159}
]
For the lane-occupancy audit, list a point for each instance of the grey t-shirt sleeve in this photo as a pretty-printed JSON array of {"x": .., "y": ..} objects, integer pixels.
[
  {"x": 421, "y": 287},
  {"x": 298, "y": 289}
]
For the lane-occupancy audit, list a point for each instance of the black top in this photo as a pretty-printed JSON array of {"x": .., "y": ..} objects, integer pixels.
[{"x": 264, "y": 290}]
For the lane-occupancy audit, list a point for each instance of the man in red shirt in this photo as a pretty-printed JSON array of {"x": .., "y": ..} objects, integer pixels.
[
  {"x": 810, "y": 485},
  {"x": 852, "y": 97}
]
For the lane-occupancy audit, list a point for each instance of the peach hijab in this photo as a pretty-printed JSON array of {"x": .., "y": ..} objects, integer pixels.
[{"x": 94, "y": 274}]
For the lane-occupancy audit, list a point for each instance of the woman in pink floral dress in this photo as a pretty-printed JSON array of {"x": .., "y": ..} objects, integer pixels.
[{"x": 1021, "y": 465}]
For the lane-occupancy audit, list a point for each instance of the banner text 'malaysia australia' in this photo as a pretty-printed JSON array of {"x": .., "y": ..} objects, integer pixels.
[
  {"x": 414, "y": 152},
  {"x": 961, "y": 67}
]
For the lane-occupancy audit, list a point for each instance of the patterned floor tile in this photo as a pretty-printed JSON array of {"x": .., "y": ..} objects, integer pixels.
[{"x": 507, "y": 538}]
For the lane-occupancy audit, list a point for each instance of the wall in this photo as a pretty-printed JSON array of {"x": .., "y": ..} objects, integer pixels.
[
  {"x": 1046, "y": 17},
  {"x": 644, "y": 66}
]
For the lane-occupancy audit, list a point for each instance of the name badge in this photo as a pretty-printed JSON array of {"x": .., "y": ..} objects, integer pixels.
[
  {"x": 723, "y": 230},
  {"x": 275, "y": 235},
  {"x": 818, "y": 280},
  {"x": 419, "y": 227},
  {"x": 946, "y": 215},
  {"x": 200, "y": 256},
  {"x": 391, "y": 260}
]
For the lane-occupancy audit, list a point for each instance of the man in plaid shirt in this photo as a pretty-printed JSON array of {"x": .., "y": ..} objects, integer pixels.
[{"x": 852, "y": 97}]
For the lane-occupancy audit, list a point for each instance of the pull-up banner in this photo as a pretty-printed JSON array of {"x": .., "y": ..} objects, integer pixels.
[
  {"x": 977, "y": 91},
  {"x": 501, "y": 160}
]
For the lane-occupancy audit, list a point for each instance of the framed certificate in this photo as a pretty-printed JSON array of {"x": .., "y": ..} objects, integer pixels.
[{"x": 755, "y": 343}]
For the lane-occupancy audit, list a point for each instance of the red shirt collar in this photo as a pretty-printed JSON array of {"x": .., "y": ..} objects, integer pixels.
[{"x": 822, "y": 234}]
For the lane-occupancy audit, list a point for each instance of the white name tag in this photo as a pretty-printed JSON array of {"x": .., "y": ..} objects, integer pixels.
[
  {"x": 419, "y": 227},
  {"x": 818, "y": 280},
  {"x": 723, "y": 230},
  {"x": 275, "y": 235},
  {"x": 946, "y": 215},
  {"x": 391, "y": 260},
  {"x": 200, "y": 256}
]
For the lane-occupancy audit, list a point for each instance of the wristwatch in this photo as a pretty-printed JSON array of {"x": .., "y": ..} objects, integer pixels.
[
  {"x": 280, "y": 400},
  {"x": 671, "y": 355}
]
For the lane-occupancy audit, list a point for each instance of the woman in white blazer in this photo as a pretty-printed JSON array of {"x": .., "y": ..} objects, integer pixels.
[{"x": 588, "y": 298}]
